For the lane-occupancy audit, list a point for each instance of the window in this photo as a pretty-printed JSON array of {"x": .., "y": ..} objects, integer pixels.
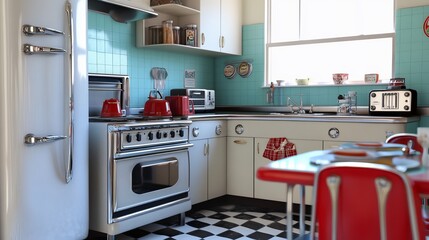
[{"x": 316, "y": 38}]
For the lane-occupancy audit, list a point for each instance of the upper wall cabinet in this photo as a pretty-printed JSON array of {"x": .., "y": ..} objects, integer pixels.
[{"x": 219, "y": 26}]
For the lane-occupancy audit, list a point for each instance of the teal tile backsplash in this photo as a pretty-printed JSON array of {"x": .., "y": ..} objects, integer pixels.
[{"x": 111, "y": 49}]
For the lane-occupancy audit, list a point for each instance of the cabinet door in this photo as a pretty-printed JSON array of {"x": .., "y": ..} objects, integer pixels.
[
  {"x": 240, "y": 171},
  {"x": 210, "y": 25},
  {"x": 198, "y": 171},
  {"x": 231, "y": 26},
  {"x": 277, "y": 191},
  {"x": 217, "y": 167}
]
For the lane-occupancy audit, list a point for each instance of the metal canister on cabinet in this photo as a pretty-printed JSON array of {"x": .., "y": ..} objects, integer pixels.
[
  {"x": 176, "y": 34},
  {"x": 190, "y": 35}
]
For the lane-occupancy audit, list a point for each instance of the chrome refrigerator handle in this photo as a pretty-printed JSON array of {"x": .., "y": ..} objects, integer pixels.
[{"x": 70, "y": 97}]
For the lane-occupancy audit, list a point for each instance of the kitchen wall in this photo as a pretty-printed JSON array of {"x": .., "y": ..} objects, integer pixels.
[
  {"x": 112, "y": 49},
  {"x": 411, "y": 62}
]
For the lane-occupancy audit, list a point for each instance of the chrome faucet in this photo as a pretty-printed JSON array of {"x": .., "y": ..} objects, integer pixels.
[{"x": 292, "y": 104}]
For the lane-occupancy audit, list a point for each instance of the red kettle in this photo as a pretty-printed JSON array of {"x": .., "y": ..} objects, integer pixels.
[{"x": 156, "y": 107}]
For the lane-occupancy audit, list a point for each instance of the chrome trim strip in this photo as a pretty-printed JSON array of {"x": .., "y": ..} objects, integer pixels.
[
  {"x": 135, "y": 214},
  {"x": 333, "y": 183},
  {"x": 70, "y": 97},
  {"x": 160, "y": 149},
  {"x": 383, "y": 187}
]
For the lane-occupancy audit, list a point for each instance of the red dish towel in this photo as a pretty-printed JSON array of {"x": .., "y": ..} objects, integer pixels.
[{"x": 278, "y": 148}]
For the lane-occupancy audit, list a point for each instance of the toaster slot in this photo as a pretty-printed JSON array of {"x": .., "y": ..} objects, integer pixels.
[{"x": 390, "y": 100}]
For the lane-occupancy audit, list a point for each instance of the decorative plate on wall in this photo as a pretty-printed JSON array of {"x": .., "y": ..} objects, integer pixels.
[
  {"x": 229, "y": 71},
  {"x": 245, "y": 69}
]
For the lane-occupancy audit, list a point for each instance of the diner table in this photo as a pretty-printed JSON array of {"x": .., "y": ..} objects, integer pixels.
[{"x": 300, "y": 170}]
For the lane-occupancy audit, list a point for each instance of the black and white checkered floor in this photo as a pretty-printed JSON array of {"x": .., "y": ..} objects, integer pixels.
[{"x": 227, "y": 217}]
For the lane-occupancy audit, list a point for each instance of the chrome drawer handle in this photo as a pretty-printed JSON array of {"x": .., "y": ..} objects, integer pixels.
[
  {"x": 31, "y": 30},
  {"x": 32, "y": 49},
  {"x": 31, "y": 139}
]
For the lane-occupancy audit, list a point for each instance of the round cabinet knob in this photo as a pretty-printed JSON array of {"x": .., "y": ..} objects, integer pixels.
[
  {"x": 150, "y": 136},
  {"x": 239, "y": 129},
  {"x": 172, "y": 134},
  {"x": 139, "y": 137},
  {"x": 158, "y": 135},
  {"x": 334, "y": 132},
  {"x": 218, "y": 130},
  {"x": 129, "y": 138},
  {"x": 195, "y": 131}
]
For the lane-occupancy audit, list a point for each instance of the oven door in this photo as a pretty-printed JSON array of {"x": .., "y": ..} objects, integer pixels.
[{"x": 150, "y": 180}]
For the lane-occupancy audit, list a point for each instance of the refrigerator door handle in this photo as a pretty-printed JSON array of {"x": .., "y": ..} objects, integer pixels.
[
  {"x": 31, "y": 139},
  {"x": 32, "y": 49},
  {"x": 31, "y": 30},
  {"x": 70, "y": 100}
]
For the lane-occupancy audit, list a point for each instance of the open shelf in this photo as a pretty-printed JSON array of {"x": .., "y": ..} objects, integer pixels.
[{"x": 175, "y": 9}]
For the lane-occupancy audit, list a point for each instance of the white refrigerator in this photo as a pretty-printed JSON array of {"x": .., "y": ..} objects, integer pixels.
[{"x": 43, "y": 119}]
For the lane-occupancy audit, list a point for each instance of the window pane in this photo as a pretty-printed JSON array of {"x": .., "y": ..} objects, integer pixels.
[
  {"x": 293, "y": 20},
  {"x": 319, "y": 61},
  {"x": 340, "y": 18},
  {"x": 284, "y": 20}
]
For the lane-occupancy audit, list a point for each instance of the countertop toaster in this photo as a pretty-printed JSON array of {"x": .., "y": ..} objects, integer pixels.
[
  {"x": 393, "y": 102},
  {"x": 203, "y": 99}
]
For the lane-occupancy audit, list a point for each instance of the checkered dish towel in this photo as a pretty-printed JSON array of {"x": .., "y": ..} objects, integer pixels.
[{"x": 278, "y": 148}]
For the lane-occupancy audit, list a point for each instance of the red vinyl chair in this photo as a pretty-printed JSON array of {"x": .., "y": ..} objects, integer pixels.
[
  {"x": 355, "y": 201},
  {"x": 411, "y": 139},
  {"x": 408, "y": 139}
]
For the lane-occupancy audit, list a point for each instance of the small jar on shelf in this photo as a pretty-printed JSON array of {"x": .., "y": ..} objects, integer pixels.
[
  {"x": 176, "y": 34},
  {"x": 155, "y": 33},
  {"x": 167, "y": 27},
  {"x": 190, "y": 35}
]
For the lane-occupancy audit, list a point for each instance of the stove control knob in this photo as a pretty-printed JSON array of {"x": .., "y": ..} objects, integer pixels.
[
  {"x": 165, "y": 134},
  {"x": 218, "y": 130},
  {"x": 150, "y": 136},
  {"x": 158, "y": 135},
  {"x": 172, "y": 134},
  {"x": 181, "y": 133},
  {"x": 139, "y": 137},
  {"x": 195, "y": 132},
  {"x": 129, "y": 138}
]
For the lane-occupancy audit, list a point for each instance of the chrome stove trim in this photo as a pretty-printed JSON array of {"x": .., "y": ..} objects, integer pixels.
[
  {"x": 152, "y": 150},
  {"x": 136, "y": 214}
]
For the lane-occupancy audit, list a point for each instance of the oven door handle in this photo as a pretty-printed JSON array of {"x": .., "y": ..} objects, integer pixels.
[{"x": 152, "y": 151}]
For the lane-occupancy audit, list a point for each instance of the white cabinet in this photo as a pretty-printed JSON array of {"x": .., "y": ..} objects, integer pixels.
[
  {"x": 277, "y": 191},
  {"x": 198, "y": 169},
  {"x": 216, "y": 167},
  {"x": 240, "y": 166},
  {"x": 207, "y": 160},
  {"x": 218, "y": 22},
  {"x": 221, "y": 26},
  {"x": 307, "y": 136}
]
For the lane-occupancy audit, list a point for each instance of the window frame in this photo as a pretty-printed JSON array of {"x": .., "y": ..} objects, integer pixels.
[{"x": 269, "y": 44}]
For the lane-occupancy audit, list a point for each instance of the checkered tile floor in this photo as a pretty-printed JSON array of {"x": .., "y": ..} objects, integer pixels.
[{"x": 226, "y": 218}]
